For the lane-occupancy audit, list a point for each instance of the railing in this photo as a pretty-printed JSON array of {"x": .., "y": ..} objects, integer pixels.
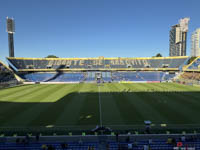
[{"x": 109, "y": 129}]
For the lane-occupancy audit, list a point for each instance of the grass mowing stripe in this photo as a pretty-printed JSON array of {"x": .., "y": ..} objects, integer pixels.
[
  {"x": 109, "y": 107},
  {"x": 185, "y": 87},
  {"x": 42, "y": 95},
  {"x": 191, "y": 98},
  {"x": 24, "y": 93},
  {"x": 52, "y": 111},
  {"x": 156, "y": 103},
  {"x": 11, "y": 110},
  {"x": 171, "y": 105},
  {"x": 126, "y": 108},
  {"x": 89, "y": 112},
  {"x": 11, "y": 91},
  {"x": 191, "y": 92},
  {"x": 34, "y": 110},
  {"x": 146, "y": 110},
  {"x": 187, "y": 97},
  {"x": 18, "y": 109},
  {"x": 57, "y": 93},
  {"x": 71, "y": 112},
  {"x": 27, "y": 97},
  {"x": 81, "y": 107}
]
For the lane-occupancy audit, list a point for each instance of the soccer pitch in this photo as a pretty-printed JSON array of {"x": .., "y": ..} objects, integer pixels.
[{"x": 108, "y": 104}]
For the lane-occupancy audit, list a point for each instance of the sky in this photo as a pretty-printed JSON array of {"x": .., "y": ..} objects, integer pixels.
[{"x": 93, "y": 28}]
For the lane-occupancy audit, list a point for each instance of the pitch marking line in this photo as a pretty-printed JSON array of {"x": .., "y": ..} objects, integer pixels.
[{"x": 100, "y": 112}]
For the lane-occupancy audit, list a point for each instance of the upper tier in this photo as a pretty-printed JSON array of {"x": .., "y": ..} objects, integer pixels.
[
  {"x": 194, "y": 66},
  {"x": 100, "y": 63}
]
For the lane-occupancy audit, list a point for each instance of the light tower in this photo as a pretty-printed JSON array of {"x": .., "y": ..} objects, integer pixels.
[{"x": 11, "y": 31}]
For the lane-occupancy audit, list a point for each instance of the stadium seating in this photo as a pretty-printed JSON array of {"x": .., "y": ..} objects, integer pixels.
[
  {"x": 138, "y": 76},
  {"x": 191, "y": 76},
  {"x": 156, "y": 144},
  {"x": 112, "y": 69},
  {"x": 142, "y": 76},
  {"x": 53, "y": 77},
  {"x": 55, "y": 145},
  {"x": 195, "y": 65},
  {"x": 6, "y": 75},
  {"x": 85, "y": 69},
  {"x": 96, "y": 63}
]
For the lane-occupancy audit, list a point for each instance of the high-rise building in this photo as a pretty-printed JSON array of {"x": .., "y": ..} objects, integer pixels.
[
  {"x": 178, "y": 38},
  {"x": 195, "y": 43}
]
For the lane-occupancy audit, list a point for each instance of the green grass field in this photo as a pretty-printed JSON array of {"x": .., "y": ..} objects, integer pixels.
[{"x": 89, "y": 104}]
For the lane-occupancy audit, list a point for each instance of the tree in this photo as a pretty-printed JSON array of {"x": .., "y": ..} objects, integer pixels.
[
  {"x": 51, "y": 56},
  {"x": 158, "y": 55}
]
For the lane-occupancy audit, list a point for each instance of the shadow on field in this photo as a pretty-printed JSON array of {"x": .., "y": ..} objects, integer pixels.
[{"x": 118, "y": 108}]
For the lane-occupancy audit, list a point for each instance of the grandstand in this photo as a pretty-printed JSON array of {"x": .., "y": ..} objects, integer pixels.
[
  {"x": 194, "y": 66},
  {"x": 155, "y": 69},
  {"x": 160, "y": 142},
  {"x": 190, "y": 76},
  {"x": 6, "y": 75},
  {"x": 74, "y": 110},
  {"x": 101, "y": 63},
  {"x": 191, "y": 72}
]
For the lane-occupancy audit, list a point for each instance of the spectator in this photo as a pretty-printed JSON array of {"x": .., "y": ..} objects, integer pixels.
[
  {"x": 44, "y": 147},
  {"x": 183, "y": 138},
  {"x": 150, "y": 141},
  {"x": 130, "y": 146},
  {"x": 128, "y": 133},
  {"x": 179, "y": 144},
  {"x": 169, "y": 141},
  {"x": 145, "y": 147}
]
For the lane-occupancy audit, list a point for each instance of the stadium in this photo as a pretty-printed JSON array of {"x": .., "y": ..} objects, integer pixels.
[
  {"x": 101, "y": 103},
  {"x": 73, "y": 96}
]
